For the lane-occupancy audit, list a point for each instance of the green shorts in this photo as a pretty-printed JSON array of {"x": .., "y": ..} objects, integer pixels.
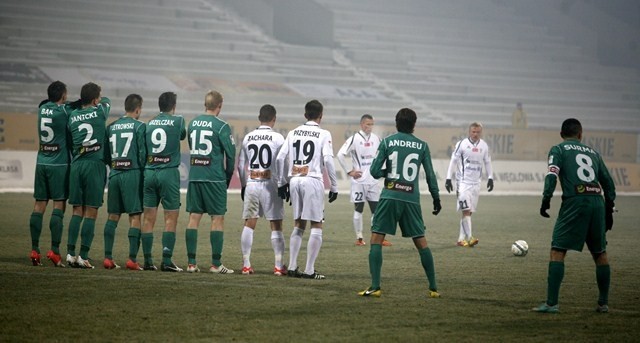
[
  {"x": 51, "y": 183},
  {"x": 207, "y": 197},
  {"x": 580, "y": 221},
  {"x": 86, "y": 183},
  {"x": 162, "y": 185},
  {"x": 125, "y": 192},
  {"x": 390, "y": 213}
]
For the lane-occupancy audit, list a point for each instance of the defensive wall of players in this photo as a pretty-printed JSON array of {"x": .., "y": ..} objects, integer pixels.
[{"x": 519, "y": 156}]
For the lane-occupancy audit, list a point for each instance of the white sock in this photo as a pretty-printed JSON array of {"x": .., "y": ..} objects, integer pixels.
[
  {"x": 462, "y": 235},
  {"x": 466, "y": 224},
  {"x": 246, "y": 242},
  {"x": 277, "y": 242},
  {"x": 295, "y": 241},
  {"x": 313, "y": 248},
  {"x": 357, "y": 224}
]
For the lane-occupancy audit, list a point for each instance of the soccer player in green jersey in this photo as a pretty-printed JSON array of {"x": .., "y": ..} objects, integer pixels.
[
  {"x": 127, "y": 153},
  {"x": 398, "y": 160},
  {"x": 212, "y": 161},
  {"x": 88, "y": 171},
  {"x": 584, "y": 215},
  {"x": 52, "y": 171},
  {"x": 162, "y": 180}
]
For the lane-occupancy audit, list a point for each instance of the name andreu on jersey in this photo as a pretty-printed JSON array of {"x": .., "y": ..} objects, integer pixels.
[{"x": 405, "y": 144}]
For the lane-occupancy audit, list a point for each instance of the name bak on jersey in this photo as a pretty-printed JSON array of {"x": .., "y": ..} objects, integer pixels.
[{"x": 399, "y": 186}]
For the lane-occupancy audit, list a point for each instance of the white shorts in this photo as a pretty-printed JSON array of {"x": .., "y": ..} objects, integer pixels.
[
  {"x": 361, "y": 192},
  {"x": 307, "y": 198},
  {"x": 261, "y": 200},
  {"x": 468, "y": 195}
]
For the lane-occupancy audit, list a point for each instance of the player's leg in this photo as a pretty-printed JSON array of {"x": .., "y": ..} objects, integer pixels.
[
  {"x": 215, "y": 202},
  {"x": 273, "y": 209},
  {"x": 597, "y": 243},
  {"x": 191, "y": 237},
  {"x": 250, "y": 214},
  {"x": 56, "y": 225},
  {"x": 75, "y": 200},
  {"x": 115, "y": 207},
  {"x": 473, "y": 196},
  {"x": 313, "y": 210},
  {"x": 35, "y": 228},
  {"x": 357, "y": 222},
  {"x": 384, "y": 223},
  {"x": 150, "y": 201},
  {"x": 170, "y": 193},
  {"x": 295, "y": 241},
  {"x": 86, "y": 236},
  {"x": 134, "y": 236},
  {"x": 94, "y": 175},
  {"x": 373, "y": 196},
  {"x": 109, "y": 238},
  {"x": 426, "y": 259},
  {"x": 277, "y": 243},
  {"x": 412, "y": 225}
]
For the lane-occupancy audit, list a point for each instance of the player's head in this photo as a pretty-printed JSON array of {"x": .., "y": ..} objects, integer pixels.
[
  {"x": 57, "y": 91},
  {"x": 406, "y": 120},
  {"x": 366, "y": 123},
  {"x": 267, "y": 114},
  {"x": 133, "y": 105},
  {"x": 213, "y": 101},
  {"x": 475, "y": 131},
  {"x": 313, "y": 110},
  {"x": 519, "y": 105},
  {"x": 571, "y": 128},
  {"x": 167, "y": 102},
  {"x": 90, "y": 94}
]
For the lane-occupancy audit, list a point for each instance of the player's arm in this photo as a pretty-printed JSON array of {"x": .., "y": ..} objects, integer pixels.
[
  {"x": 281, "y": 170},
  {"x": 550, "y": 180},
  {"x": 229, "y": 151},
  {"x": 489, "y": 170},
  {"x": 453, "y": 163},
  {"x": 141, "y": 140},
  {"x": 342, "y": 153},
  {"x": 242, "y": 164},
  {"x": 377, "y": 169},
  {"x": 183, "y": 130},
  {"x": 432, "y": 181}
]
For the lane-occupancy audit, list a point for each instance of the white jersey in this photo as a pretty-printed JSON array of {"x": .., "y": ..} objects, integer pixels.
[
  {"x": 362, "y": 149},
  {"x": 256, "y": 162},
  {"x": 467, "y": 160},
  {"x": 306, "y": 150}
]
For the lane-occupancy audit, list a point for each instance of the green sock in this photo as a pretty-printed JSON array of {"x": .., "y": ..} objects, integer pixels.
[
  {"x": 88, "y": 230},
  {"x": 217, "y": 239},
  {"x": 375, "y": 264},
  {"x": 72, "y": 236},
  {"x": 168, "y": 243},
  {"x": 603, "y": 276},
  {"x": 147, "y": 245},
  {"x": 55, "y": 225},
  {"x": 554, "y": 280},
  {"x": 35, "y": 226},
  {"x": 427, "y": 264},
  {"x": 109, "y": 236},
  {"x": 191, "y": 237},
  {"x": 134, "y": 243}
]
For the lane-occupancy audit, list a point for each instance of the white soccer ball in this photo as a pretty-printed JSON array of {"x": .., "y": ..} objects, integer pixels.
[{"x": 520, "y": 248}]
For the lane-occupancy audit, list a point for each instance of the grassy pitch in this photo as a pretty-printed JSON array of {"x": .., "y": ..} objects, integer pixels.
[{"x": 486, "y": 291}]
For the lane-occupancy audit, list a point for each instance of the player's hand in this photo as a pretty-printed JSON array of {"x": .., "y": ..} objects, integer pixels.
[
  {"x": 355, "y": 174},
  {"x": 242, "y": 193},
  {"x": 448, "y": 185},
  {"x": 490, "y": 185},
  {"x": 228, "y": 182},
  {"x": 546, "y": 204},
  {"x": 436, "y": 207},
  {"x": 333, "y": 196},
  {"x": 283, "y": 192},
  {"x": 609, "y": 208}
]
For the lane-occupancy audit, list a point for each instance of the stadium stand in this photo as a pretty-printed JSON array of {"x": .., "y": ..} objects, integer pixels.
[{"x": 453, "y": 61}]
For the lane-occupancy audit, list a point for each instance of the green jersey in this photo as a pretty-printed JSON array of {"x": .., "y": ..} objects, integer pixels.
[
  {"x": 53, "y": 135},
  {"x": 212, "y": 149},
  {"x": 580, "y": 169},
  {"x": 127, "y": 149},
  {"x": 88, "y": 127},
  {"x": 164, "y": 133},
  {"x": 398, "y": 160}
]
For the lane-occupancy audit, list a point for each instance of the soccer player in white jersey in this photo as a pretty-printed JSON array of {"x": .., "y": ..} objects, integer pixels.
[
  {"x": 467, "y": 160},
  {"x": 256, "y": 168},
  {"x": 361, "y": 147},
  {"x": 305, "y": 151}
]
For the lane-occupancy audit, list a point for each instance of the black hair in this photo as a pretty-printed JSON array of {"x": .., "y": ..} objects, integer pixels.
[
  {"x": 89, "y": 92},
  {"x": 167, "y": 101},
  {"x": 406, "y": 120},
  {"x": 313, "y": 110},
  {"x": 571, "y": 128},
  {"x": 132, "y": 102},
  {"x": 267, "y": 113},
  {"x": 56, "y": 91}
]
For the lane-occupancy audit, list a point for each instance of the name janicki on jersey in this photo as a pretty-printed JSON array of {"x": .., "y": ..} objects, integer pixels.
[{"x": 83, "y": 117}]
